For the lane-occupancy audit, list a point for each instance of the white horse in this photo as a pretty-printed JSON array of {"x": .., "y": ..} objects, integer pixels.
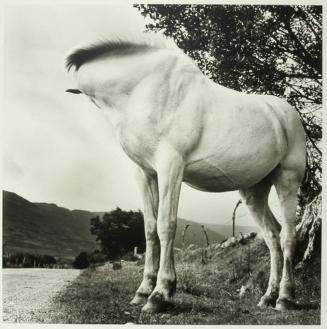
[{"x": 179, "y": 126}]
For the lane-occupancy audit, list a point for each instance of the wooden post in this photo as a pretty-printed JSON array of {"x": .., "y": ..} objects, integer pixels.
[
  {"x": 206, "y": 235},
  {"x": 183, "y": 234},
  {"x": 234, "y": 212}
]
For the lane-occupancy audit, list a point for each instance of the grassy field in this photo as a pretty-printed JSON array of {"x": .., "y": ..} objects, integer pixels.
[{"x": 207, "y": 292}]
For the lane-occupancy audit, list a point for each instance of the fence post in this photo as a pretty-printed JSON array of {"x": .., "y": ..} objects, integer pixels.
[
  {"x": 183, "y": 234},
  {"x": 206, "y": 235},
  {"x": 234, "y": 212}
]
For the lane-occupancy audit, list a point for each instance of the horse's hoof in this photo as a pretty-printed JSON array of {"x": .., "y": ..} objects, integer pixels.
[
  {"x": 284, "y": 304},
  {"x": 266, "y": 301},
  {"x": 150, "y": 307},
  {"x": 138, "y": 299},
  {"x": 156, "y": 303}
]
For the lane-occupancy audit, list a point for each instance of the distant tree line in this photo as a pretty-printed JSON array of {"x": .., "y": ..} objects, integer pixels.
[
  {"x": 28, "y": 260},
  {"x": 118, "y": 232}
]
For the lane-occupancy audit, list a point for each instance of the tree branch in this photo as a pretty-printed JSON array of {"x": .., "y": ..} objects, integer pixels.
[
  {"x": 306, "y": 56},
  {"x": 301, "y": 95},
  {"x": 307, "y": 133}
]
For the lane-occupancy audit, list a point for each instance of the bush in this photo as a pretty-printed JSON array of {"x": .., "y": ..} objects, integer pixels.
[
  {"x": 97, "y": 257},
  {"x": 81, "y": 261}
]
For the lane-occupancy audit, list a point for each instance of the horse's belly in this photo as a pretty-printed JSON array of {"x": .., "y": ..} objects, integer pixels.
[
  {"x": 212, "y": 175},
  {"x": 206, "y": 177}
]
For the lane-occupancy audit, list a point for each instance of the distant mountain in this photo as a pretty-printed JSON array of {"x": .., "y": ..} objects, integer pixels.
[
  {"x": 45, "y": 228},
  {"x": 226, "y": 230}
]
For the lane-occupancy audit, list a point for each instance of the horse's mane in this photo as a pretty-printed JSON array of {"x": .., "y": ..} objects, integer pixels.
[{"x": 146, "y": 41}]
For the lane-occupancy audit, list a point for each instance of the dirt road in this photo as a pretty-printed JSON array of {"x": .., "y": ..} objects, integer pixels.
[{"x": 27, "y": 293}]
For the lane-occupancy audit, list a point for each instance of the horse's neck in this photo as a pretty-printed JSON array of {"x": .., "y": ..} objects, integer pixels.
[{"x": 112, "y": 81}]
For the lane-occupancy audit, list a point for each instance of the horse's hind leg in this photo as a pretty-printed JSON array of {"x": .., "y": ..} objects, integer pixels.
[
  {"x": 256, "y": 199},
  {"x": 287, "y": 180},
  {"x": 149, "y": 188}
]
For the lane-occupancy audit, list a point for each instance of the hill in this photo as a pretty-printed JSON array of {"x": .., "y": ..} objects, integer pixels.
[{"x": 45, "y": 228}]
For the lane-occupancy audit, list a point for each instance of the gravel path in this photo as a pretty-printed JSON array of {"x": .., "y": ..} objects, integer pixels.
[{"x": 27, "y": 293}]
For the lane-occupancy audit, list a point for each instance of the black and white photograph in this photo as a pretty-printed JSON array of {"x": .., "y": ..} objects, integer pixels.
[{"x": 162, "y": 163}]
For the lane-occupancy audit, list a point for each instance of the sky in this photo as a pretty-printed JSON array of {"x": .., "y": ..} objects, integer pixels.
[{"x": 58, "y": 147}]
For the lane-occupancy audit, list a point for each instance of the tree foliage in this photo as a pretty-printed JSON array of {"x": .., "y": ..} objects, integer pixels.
[
  {"x": 119, "y": 232},
  {"x": 273, "y": 50}
]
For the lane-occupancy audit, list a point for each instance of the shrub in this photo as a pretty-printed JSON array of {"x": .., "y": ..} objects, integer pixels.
[
  {"x": 81, "y": 261},
  {"x": 97, "y": 257}
]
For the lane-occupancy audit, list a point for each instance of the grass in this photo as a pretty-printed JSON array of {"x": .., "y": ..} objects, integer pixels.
[{"x": 207, "y": 292}]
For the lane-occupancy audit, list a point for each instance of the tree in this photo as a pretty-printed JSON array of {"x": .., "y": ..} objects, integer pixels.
[
  {"x": 257, "y": 49},
  {"x": 119, "y": 232}
]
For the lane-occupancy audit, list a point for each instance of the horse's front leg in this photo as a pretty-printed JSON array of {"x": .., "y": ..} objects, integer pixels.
[
  {"x": 149, "y": 188},
  {"x": 170, "y": 173}
]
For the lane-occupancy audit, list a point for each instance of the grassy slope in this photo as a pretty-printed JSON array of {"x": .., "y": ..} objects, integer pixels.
[{"x": 206, "y": 293}]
